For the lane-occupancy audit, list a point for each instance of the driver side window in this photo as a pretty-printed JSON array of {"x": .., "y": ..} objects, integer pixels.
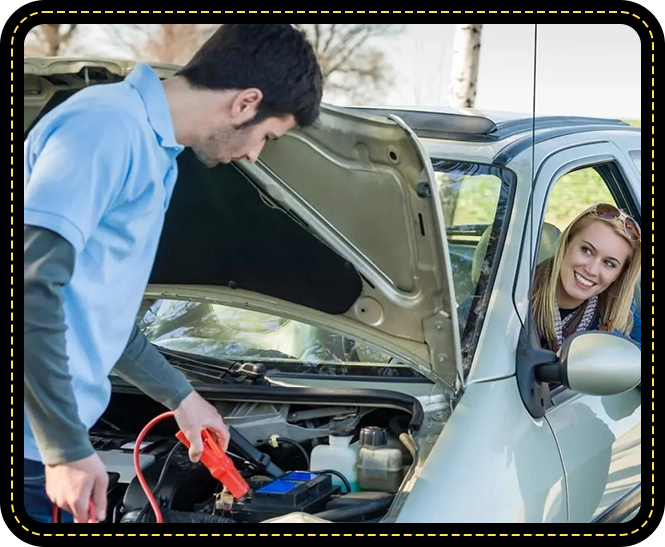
[
  {"x": 570, "y": 195},
  {"x": 574, "y": 192},
  {"x": 582, "y": 187}
]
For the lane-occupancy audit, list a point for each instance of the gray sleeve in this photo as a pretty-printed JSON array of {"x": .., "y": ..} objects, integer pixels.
[
  {"x": 48, "y": 264},
  {"x": 143, "y": 366},
  {"x": 50, "y": 406}
]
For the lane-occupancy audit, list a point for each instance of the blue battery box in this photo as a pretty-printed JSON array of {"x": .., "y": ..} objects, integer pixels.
[{"x": 295, "y": 491}]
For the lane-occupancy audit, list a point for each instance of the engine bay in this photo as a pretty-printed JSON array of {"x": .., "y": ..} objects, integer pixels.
[{"x": 340, "y": 460}]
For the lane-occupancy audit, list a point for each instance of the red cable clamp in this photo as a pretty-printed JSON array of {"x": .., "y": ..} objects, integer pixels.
[{"x": 219, "y": 464}]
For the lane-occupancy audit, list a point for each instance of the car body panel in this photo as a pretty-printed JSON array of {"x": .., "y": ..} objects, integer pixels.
[
  {"x": 504, "y": 467},
  {"x": 600, "y": 441}
]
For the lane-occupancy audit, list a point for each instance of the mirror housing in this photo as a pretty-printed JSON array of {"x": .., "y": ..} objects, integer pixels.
[{"x": 596, "y": 363}]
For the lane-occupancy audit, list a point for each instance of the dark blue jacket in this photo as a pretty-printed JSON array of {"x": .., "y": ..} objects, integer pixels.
[{"x": 635, "y": 334}]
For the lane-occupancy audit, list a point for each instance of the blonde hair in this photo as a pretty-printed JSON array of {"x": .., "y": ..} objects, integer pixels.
[{"x": 613, "y": 304}]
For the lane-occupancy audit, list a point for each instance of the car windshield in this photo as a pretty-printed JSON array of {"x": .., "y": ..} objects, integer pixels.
[
  {"x": 476, "y": 201},
  {"x": 284, "y": 345}
]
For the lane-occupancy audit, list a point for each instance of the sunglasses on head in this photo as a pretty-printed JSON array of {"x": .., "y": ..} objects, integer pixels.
[{"x": 605, "y": 211}]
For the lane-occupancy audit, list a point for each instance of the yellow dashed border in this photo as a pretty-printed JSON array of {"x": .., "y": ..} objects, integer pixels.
[{"x": 637, "y": 530}]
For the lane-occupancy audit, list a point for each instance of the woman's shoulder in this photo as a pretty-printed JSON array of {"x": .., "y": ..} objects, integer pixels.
[
  {"x": 633, "y": 308},
  {"x": 637, "y": 322},
  {"x": 636, "y": 331}
]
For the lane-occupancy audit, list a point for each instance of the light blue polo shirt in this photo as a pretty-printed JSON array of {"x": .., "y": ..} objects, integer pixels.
[{"x": 100, "y": 170}]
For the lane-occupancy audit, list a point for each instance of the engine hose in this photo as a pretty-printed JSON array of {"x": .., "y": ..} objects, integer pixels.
[
  {"x": 182, "y": 517},
  {"x": 341, "y": 477},
  {"x": 401, "y": 433},
  {"x": 342, "y": 513}
]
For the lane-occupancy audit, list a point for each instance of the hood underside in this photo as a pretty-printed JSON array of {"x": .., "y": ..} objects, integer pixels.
[{"x": 340, "y": 218}]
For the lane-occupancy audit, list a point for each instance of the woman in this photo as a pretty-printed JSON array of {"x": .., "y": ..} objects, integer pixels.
[{"x": 590, "y": 282}]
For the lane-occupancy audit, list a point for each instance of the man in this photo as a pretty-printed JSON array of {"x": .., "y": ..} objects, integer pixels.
[{"x": 99, "y": 172}]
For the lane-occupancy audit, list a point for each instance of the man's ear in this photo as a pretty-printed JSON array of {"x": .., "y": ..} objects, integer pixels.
[{"x": 245, "y": 105}]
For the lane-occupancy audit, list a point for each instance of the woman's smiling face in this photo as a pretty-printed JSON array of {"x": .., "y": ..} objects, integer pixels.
[{"x": 594, "y": 259}]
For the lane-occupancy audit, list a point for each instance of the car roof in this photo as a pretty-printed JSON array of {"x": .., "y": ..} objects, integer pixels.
[{"x": 472, "y": 125}]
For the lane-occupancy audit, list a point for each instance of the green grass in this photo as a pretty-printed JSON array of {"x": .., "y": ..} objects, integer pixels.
[{"x": 574, "y": 192}]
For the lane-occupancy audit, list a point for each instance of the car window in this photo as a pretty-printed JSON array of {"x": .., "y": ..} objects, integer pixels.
[
  {"x": 571, "y": 194},
  {"x": 284, "y": 345},
  {"x": 476, "y": 201},
  {"x": 574, "y": 192}
]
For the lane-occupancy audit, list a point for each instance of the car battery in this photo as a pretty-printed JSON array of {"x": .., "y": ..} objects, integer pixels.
[{"x": 296, "y": 491}]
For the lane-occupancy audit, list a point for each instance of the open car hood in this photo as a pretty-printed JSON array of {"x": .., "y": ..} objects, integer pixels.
[{"x": 337, "y": 223}]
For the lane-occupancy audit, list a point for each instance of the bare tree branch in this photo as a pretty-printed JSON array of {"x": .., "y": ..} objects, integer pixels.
[
  {"x": 49, "y": 39},
  {"x": 130, "y": 38},
  {"x": 317, "y": 39},
  {"x": 165, "y": 43},
  {"x": 331, "y": 37},
  {"x": 351, "y": 64}
]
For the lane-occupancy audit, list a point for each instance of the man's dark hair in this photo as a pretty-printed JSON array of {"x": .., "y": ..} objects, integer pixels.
[{"x": 277, "y": 59}]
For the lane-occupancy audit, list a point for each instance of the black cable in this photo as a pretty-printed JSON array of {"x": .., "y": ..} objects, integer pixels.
[
  {"x": 347, "y": 485},
  {"x": 160, "y": 481},
  {"x": 298, "y": 446},
  {"x": 167, "y": 463},
  {"x": 294, "y": 443}
]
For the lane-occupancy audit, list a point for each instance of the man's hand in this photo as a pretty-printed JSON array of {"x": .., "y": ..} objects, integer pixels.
[
  {"x": 71, "y": 486},
  {"x": 194, "y": 414}
]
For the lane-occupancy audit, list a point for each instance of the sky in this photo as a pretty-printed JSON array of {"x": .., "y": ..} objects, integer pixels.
[{"x": 588, "y": 70}]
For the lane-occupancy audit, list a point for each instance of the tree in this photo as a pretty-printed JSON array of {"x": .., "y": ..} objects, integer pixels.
[
  {"x": 353, "y": 67},
  {"x": 166, "y": 43},
  {"x": 464, "y": 72},
  {"x": 49, "y": 40}
]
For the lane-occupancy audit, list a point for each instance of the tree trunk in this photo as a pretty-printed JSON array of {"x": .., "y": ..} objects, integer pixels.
[{"x": 464, "y": 73}]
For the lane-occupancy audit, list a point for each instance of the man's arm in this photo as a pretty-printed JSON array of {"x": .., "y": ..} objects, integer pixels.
[
  {"x": 143, "y": 366},
  {"x": 48, "y": 264}
]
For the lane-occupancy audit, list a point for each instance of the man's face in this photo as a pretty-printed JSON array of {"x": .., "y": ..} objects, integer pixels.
[{"x": 226, "y": 143}]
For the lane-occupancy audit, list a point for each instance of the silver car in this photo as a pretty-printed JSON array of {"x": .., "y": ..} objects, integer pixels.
[{"x": 370, "y": 278}]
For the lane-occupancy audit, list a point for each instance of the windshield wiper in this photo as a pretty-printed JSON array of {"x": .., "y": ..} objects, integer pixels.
[{"x": 215, "y": 368}]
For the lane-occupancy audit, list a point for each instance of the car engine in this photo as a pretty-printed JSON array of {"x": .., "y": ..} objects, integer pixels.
[{"x": 272, "y": 446}]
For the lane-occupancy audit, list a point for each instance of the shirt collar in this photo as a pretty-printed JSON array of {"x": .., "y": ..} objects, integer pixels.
[{"x": 149, "y": 87}]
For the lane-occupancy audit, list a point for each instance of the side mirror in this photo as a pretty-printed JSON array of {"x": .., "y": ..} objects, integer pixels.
[{"x": 596, "y": 363}]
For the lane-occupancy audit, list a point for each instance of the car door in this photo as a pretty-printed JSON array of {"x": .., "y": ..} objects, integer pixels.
[{"x": 599, "y": 438}]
